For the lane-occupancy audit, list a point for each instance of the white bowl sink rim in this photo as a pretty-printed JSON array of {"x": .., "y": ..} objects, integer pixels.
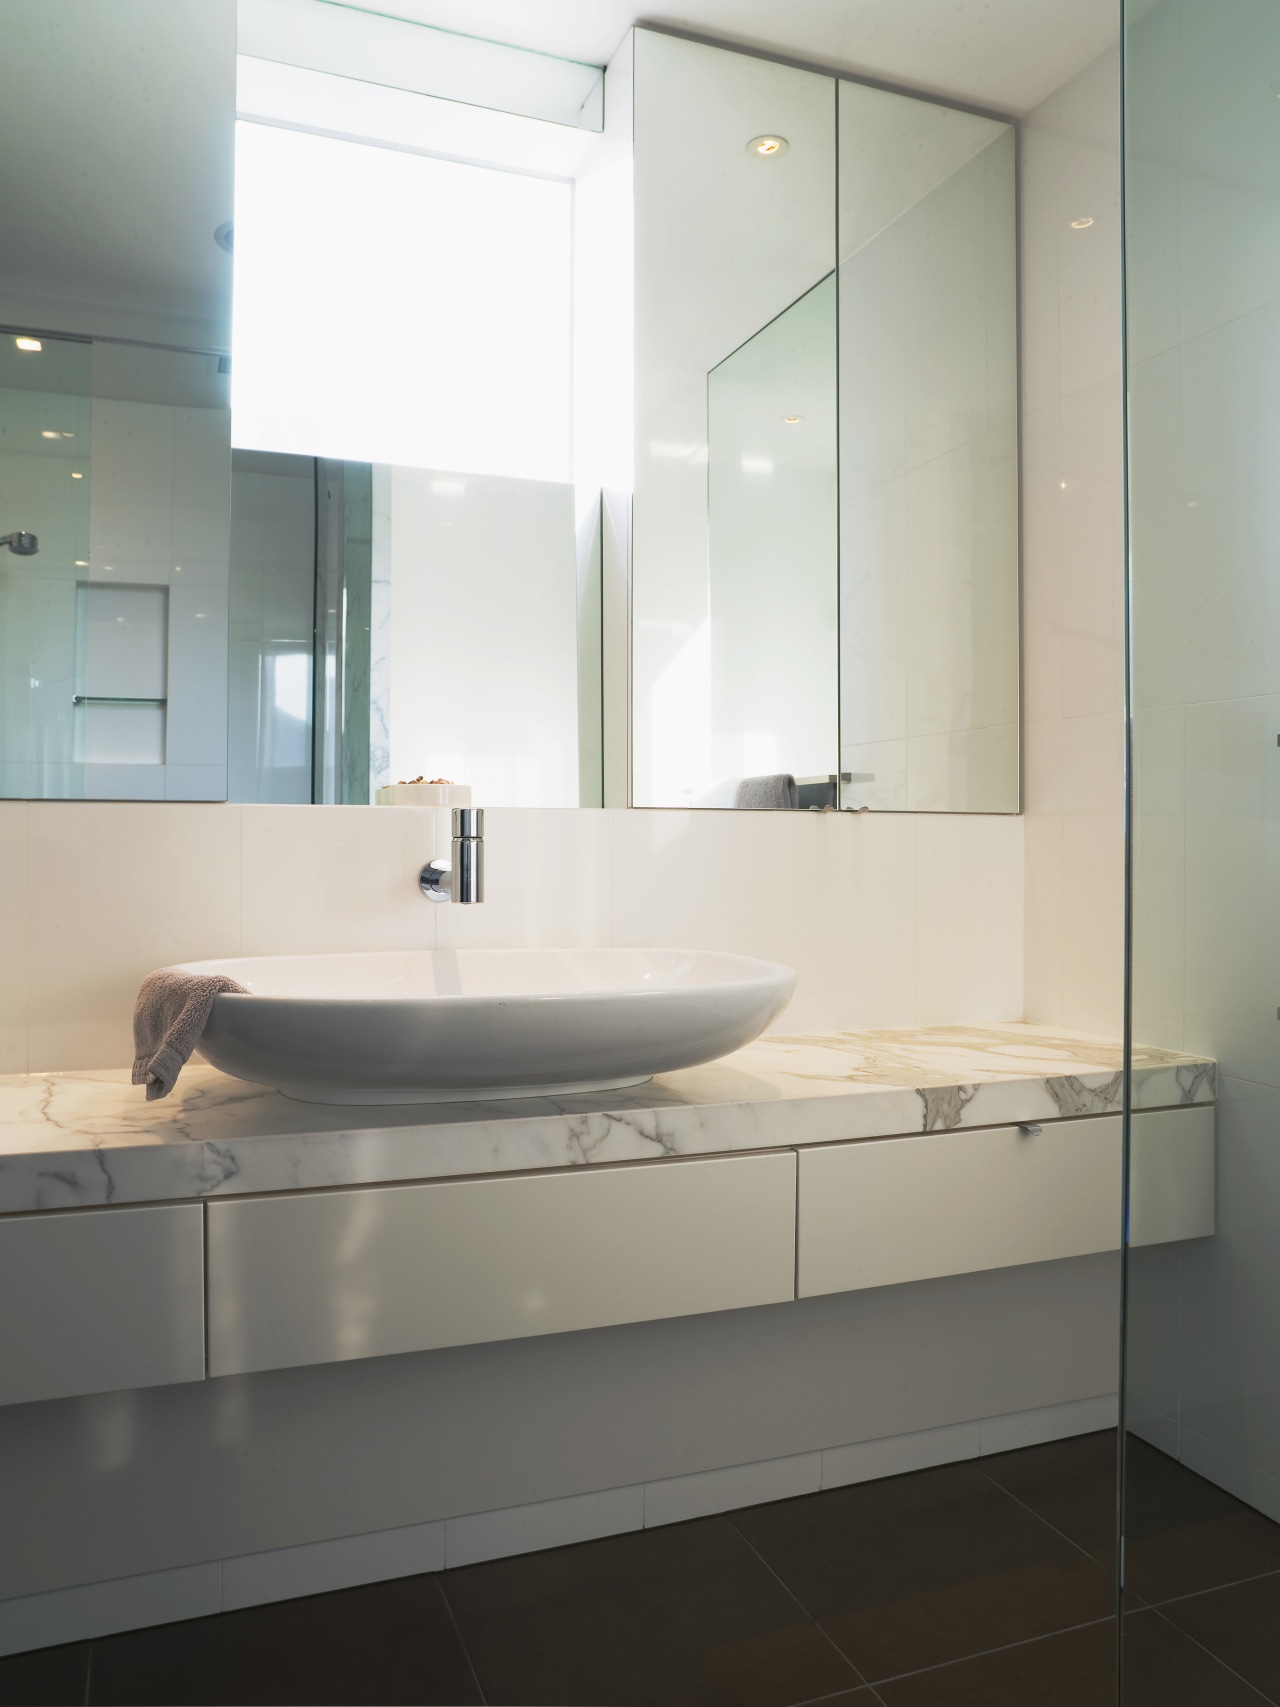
[
  {"x": 430, "y": 1025},
  {"x": 492, "y": 974}
]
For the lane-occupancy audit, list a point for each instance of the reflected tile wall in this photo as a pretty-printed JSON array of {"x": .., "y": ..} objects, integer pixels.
[{"x": 1073, "y": 554}]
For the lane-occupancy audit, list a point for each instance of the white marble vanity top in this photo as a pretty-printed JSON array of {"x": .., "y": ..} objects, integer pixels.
[{"x": 71, "y": 1140}]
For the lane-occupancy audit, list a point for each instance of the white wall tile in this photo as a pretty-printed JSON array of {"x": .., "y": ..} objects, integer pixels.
[
  {"x": 1042, "y": 767},
  {"x": 322, "y": 879},
  {"x": 1073, "y": 556},
  {"x": 1043, "y": 919},
  {"x": 13, "y": 936},
  {"x": 547, "y": 880},
  {"x": 550, "y": 1523},
  {"x": 1049, "y": 1422},
  {"x": 969, "y": 935},
  {"x": 1092, "y": 925},
  {"x": 288, "y": 1572},
  {"x": 869, "y": 1460},
  {"x": 1093, "y": 765},
  {"x": 869, "y": 950},
  {"x": 102, "y": 1609},
  {"x": 682, "y": 1497},
  {"x": 116, "y": 890}
]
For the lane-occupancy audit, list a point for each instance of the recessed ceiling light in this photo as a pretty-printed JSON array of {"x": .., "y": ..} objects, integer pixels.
[
  {"x": 46, "y": 434},
  {"x": 791, "y": 420},
  {"x": 82, "y": 562},
  {"x": 177, "y": 568},
  {"x": 28, "y": 343},
  {"x": 109, "y": 568},
  {"x": 75, "y": 475},
  {"x": 768, "y": 147},
  {"x": 1082, "y": 224},
  {"x": 199, "y": 616}
]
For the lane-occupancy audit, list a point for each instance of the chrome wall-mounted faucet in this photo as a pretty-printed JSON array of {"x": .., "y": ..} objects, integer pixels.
[{"x": 460, "y": 877}]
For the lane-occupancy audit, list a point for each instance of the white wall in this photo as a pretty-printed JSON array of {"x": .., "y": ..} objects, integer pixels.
[
  {"x": 1073, "y": 555},
  {"x": 890, "y": 920},
  {"x": 483, "y": 633}
]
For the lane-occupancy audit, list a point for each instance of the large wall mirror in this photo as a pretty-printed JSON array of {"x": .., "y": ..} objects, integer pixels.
[
  {"x": 317, "y": 357},
  {"x": 288, "y": 503},
  {"x": 825, "y": 575}
]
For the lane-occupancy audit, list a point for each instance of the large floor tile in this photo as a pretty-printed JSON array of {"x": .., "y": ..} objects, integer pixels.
[
  {"x": 389, "y": 1642},
  {"x": 49, "y": 1677},
  {"x": 1183, "y": 1534},
  {"x": 918, "y": 1570},
  {"x": 1241, "y": 1625},
  {"x": 1070, "y": 1484},
  {"x": 1078, "y": 1669},
  {"x": 685, "y": 1614}
]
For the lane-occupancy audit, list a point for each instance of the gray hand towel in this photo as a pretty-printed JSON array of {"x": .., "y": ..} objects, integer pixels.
[
  {"x": 768, "y": 793},
  {"x": 172, "y": 1010}
]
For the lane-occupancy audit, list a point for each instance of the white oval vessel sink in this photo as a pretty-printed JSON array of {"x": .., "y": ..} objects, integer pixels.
[{"x": 448, "y": 1025}]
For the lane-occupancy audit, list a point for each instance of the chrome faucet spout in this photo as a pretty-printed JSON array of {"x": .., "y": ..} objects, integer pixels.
[{"x": 461, "y": 877}]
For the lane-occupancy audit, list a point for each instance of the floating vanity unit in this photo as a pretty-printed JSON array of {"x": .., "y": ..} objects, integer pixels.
[{"x": 229, "y": 1229}]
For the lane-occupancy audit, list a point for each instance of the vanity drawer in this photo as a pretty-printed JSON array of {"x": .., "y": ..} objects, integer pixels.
[
  {"x": 100, "y": 1299},
  {"x": 897, "y": 1209},
  {"x": 328, "y": 1276}
]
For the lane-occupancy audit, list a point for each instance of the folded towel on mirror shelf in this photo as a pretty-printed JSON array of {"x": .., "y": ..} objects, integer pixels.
[
  {"x": 768, "y": 793},
  {"x": 171, "y": 1011}
]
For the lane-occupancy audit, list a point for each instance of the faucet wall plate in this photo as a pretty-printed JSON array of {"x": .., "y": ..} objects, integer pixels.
[{"x": 436, "y": 880}]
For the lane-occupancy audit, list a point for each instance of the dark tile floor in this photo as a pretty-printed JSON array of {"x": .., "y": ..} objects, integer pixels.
[{"x": 972, "y": 1585}]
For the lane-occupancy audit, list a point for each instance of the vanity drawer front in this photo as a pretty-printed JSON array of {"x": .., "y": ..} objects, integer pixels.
[
  {"x": 345, "y": 1274},
  {"x": 100, "y": 1299},
  {"x": 897, "y": 1209}
]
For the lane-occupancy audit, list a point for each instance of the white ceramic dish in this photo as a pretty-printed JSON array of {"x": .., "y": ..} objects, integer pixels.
[{"x": 448, "y": 1025}]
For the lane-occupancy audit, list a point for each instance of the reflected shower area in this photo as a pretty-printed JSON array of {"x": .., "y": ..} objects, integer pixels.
[{"x": 114, "y": 470}]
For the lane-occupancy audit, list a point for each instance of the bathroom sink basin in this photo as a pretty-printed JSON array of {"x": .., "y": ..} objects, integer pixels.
[{"x": 447, "y": 1025}]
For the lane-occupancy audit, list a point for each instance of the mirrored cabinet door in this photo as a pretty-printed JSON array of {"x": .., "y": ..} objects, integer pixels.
[
  {"x": 928, "y": 457},
  {"x": 825, "y": 554},
  {"x": 734, "y": 561}
]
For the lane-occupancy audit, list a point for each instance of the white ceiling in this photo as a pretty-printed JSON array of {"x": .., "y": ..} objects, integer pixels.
[
  {"x": 115, "y": 119},
  {"x": 1004, "y": 54}
]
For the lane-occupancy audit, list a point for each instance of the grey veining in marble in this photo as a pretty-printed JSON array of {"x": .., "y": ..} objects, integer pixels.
[{"x": 69, "y": 1140}]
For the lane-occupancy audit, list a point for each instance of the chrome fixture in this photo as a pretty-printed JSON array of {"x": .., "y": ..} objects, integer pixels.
[
  {"x": 21, "y": 544},
  {"x": 461, "y": 877}
]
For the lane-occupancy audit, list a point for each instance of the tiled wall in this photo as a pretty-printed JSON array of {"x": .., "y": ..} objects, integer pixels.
[
  {"x": 1073, "y": 554},
  {"x": 889, "y": 919},
  {"x": 158, "y": 516},
  {"x": 1203, "y": 217}
]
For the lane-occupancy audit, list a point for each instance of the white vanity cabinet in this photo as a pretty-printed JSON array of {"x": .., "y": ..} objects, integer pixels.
[
  {"x": 890, "y": 1210},
  {"x": 97, "y": 1300},
  {"x": 326, "y": 1276}
]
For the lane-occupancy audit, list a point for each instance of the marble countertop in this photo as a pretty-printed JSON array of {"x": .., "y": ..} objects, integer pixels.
[{"x": 73, "y": 1140}]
